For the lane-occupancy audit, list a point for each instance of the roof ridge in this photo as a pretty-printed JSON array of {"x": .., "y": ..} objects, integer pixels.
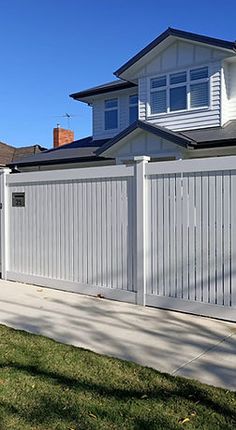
[{"x": 6, "y": 144}]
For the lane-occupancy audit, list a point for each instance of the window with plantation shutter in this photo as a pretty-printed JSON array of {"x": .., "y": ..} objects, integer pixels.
[
  {"x": 158, "y": 98},
  {"x": 199, "y": 95},
  {"x": 200, "y": 73},
  {"x": 158, "y": 101},
  {"x": 199, "y": 87},
  {"x": 181, "y": 91}
]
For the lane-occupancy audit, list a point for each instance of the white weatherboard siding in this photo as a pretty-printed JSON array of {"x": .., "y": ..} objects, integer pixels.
[
  {"x": 78, "y": 231},
  {"x": 99, "y": 131}
]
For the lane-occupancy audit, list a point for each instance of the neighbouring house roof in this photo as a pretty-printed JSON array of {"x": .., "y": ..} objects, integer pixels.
[
  {"x": 6, "y": 153},
  {"x": 9, "y": 153},
  {"x": 83, "y": 150},
  {"x": 104, "y": 88},
  {"x": 218, "y": 43}
]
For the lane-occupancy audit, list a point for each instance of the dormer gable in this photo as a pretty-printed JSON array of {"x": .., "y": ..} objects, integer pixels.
[{"x": 175, "y": 48}]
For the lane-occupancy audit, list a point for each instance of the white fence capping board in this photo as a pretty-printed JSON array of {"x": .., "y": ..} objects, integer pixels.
[
  {"x": 71, "y": 174},
  {"x": 191, "y": 166}
]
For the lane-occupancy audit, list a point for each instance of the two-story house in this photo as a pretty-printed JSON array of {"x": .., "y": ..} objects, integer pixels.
[{"x": 176, "y": 98}]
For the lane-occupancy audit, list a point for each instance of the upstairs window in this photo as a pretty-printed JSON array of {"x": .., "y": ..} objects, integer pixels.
[
  {"x": 158, "y": 97},
  {"x": 133, "y": 108},
  {"x": 179, "y": 91},
  {"x": 199, "y": 87},
  {"x": 111, "y": 114}
]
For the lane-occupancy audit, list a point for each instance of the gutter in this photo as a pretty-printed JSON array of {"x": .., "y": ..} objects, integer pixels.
[{"x": 54, "y": 162}]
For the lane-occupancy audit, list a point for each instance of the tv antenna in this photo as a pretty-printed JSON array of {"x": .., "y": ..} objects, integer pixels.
[{"x": 68, "y": 116}]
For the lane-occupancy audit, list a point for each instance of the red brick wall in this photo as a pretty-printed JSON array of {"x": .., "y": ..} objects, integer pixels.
[{"x": 62, "y": 136}]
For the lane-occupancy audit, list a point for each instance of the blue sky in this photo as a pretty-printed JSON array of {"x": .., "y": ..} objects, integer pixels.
[{"x": 52, "y": 48}]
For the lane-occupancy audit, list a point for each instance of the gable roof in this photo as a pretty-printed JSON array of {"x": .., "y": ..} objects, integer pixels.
[
  {"x": 162, "y": 132},
  {"x": 201, "y": 138},
  {"x": 9, "y": 153},
  {"x": 103, "y": 89},
  {"x": 218, "y": 43}
]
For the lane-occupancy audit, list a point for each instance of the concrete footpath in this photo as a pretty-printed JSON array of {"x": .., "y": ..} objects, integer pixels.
[{"x": 180, "y": 344}]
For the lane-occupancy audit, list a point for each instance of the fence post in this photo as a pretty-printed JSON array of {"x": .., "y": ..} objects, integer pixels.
[
  {"x": 4, "y": 223},
  {"x": 140, "y": 236}
]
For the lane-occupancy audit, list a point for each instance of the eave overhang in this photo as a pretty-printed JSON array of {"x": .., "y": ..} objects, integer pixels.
[{"x": 102, "y": 89}]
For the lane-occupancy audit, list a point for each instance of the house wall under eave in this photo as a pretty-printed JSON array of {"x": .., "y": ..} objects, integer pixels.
[{"x": 99, "y": 131}]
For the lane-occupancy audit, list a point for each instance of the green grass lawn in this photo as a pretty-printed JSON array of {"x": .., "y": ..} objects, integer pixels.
[{"x": 46, "y": 385}]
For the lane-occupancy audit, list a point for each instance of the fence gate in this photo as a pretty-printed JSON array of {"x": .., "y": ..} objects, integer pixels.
[{"x": 191, "y": 239}]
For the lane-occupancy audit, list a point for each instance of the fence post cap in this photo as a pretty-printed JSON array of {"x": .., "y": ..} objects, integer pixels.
[{"x": 139, "y": 158}]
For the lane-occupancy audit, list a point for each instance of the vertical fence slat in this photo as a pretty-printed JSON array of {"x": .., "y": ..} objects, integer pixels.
[
  {"x": 233, "y": 239},
  {"x": 160, "y": 224},
  {"x": 226, "y": 239},
  {"x": 219, "y": 242},
  {"x": 205, "y": 238},
  {"x": 166, "y": 215},
  {"x": 212, "y": 238},
  {"x": 172, "y": 262},
  {"x": 191, "y": 243},
  {"x": 198, "y": 227},
  {"x": 185, "y": 237}
]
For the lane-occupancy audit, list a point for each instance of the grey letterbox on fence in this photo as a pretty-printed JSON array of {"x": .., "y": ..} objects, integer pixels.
[{"x": 18, "y": 199}]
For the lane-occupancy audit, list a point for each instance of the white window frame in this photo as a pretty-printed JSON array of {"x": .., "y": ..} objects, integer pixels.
[
  {"x": 110, "y": 109},
  {"x": 133, "y": 105},
  {"x": 168, "y": 86}
]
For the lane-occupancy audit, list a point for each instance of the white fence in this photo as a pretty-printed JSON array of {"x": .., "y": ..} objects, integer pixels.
[{"x": 160, "y": 234}]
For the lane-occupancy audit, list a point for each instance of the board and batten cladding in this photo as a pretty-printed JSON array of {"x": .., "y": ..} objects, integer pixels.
[
  {"x": 180, "y": 56},
  {"x": 147, "y": 143},
  {"x": 77, "y": 230},
  {"x": 99, "y": 131}
]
